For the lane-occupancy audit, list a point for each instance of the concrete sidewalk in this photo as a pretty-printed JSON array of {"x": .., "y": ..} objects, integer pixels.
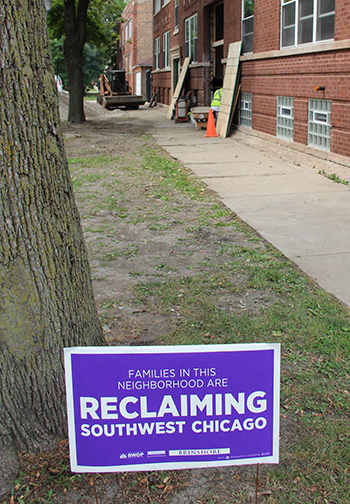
[{"x": 277, "y": 190}]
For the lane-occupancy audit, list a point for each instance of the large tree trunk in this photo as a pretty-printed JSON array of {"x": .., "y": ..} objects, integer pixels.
[
  {"x": 46, "y": 298},
  {"x": 75, "y": 28}
]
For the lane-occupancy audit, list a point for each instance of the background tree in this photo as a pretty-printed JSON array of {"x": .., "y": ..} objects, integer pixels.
[
  {"x": 94, "y": 61},
  {"x": 58, "y": 61},
  {"x": 93, "y": 64},
  {"x": 46, "y": 298},
  {"x": 77, "y": 22}
]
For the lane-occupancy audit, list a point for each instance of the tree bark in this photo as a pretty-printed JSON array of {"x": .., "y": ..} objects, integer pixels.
[
  {"x": 75, "y": 28},
  {"x": 46, "y": 298}
]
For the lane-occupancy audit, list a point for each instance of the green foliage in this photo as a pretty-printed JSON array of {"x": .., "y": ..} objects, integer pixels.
[
  {"x": 101, "y": 36},
  {"x": 102, "y": 19},
  {"x": 58, "y": 61},
  {"x": 93, "y": 64},
  {"x": 248, "y": 8}
]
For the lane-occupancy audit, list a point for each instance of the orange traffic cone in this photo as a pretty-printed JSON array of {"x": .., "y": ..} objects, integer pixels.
[{"x": 211, "y": 129}]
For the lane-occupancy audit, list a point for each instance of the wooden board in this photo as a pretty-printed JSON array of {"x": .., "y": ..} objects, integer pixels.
[
  {"x": 178, "y": 88},
  {"x": 228, "y": 93}
]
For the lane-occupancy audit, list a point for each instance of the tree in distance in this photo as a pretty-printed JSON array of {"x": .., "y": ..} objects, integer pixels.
[
  {"x": 78, "y": 22},
  {"x": 46, "y": 297}
]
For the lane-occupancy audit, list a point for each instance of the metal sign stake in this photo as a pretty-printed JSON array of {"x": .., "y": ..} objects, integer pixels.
[{"x": 257, "y": 484}]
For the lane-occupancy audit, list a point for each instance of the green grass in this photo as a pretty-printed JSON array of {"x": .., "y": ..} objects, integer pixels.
[
  {"x": 334, "y": 177},
  {"x": 172, "y": 176}
]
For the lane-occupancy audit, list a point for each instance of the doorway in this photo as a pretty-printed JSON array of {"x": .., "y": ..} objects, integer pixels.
[
  {"x": 217, "y": 45},
  {"x": 175, "y": 58}
]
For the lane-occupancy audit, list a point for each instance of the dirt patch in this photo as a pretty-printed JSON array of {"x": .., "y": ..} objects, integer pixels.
[{"x": 143, "y": 234}]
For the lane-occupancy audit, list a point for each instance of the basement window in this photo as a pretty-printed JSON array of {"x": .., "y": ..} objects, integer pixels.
[
  {"x": 319, "y": 131},
  {"x": 245, "y": 112},
  {"x": 285, "y": 120}
]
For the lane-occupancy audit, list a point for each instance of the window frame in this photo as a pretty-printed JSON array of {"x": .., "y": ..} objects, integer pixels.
[
  {"x": 166, "y": 49},
  {"x": 285, "y": 117},
  {"x": 128, "y": 30},
  {"x": 157, "y": 6},
  {"x": 249, "y": 34},
  {"x": 157, "y": 53},
  {"x": 246, "y": 110},
  {"x": 319, "y": 132},
  {"x": 191, "y": 42},
  {"x": 286, "y": 112},
  {"x": 297, "y": 26},
  {"x": 176, "y": 15},
  {"x": 316, "y": 118}
]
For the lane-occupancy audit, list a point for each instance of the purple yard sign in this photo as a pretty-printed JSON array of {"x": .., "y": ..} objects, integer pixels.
[{"x": 150, "y": 408}]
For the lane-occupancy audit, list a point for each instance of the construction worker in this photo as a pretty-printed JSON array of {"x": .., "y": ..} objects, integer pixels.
[{"x": 215, "y": 104}]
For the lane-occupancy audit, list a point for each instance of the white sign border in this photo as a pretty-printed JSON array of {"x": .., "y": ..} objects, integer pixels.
[{"x": 239, "y": 347}]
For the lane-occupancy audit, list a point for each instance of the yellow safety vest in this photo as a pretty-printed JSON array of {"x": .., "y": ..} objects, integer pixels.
[{"x": 217, "y": 98}]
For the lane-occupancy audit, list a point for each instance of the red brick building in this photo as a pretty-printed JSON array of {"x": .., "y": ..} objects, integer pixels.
[
  {"x": 135, "y": 46},
  {"x": 289, "y": 47}
]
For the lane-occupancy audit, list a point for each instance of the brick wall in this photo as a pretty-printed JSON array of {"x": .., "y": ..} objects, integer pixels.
[
  {"x": 144, "y": 30},
  {"x": 341, "y": 128},
  {"x": 266, "y": 25},
  {"x": 300, "y": 120},
  {"x": 342, "y": 20},
  {"x": 140, "y": 12},
  {"x": 162, "y": 86},
  {"x": 297, "y": 76},
  {"x": 232, "y": 20}
]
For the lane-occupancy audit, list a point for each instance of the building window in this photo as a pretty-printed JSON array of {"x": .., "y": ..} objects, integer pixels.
[
  {"x": 247, "y": 25},
  {"x": 166, "y": 49},
  {"x": 165, "y": 2},
  {"x": 245, "y": 111},
  {"x": 157, "y": 53},
  {"x": 176, "y": 15},
  {"x": 128, "y": 31},
  {"x": 285, "y": 119},
  {"x": 307, "y": 21},
  {"x": 319, "y": 134},
  {"x": 157, "y": 6},
  {"x": 191, "y": 34}
]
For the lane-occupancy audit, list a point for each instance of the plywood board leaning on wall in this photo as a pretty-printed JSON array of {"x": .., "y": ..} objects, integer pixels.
[
  {"x": 178, "y": 87},
  {"x": 230, "y": 90}
]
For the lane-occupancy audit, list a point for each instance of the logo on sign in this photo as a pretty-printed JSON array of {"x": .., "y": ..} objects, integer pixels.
[{"x": 136, "y": 455}]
